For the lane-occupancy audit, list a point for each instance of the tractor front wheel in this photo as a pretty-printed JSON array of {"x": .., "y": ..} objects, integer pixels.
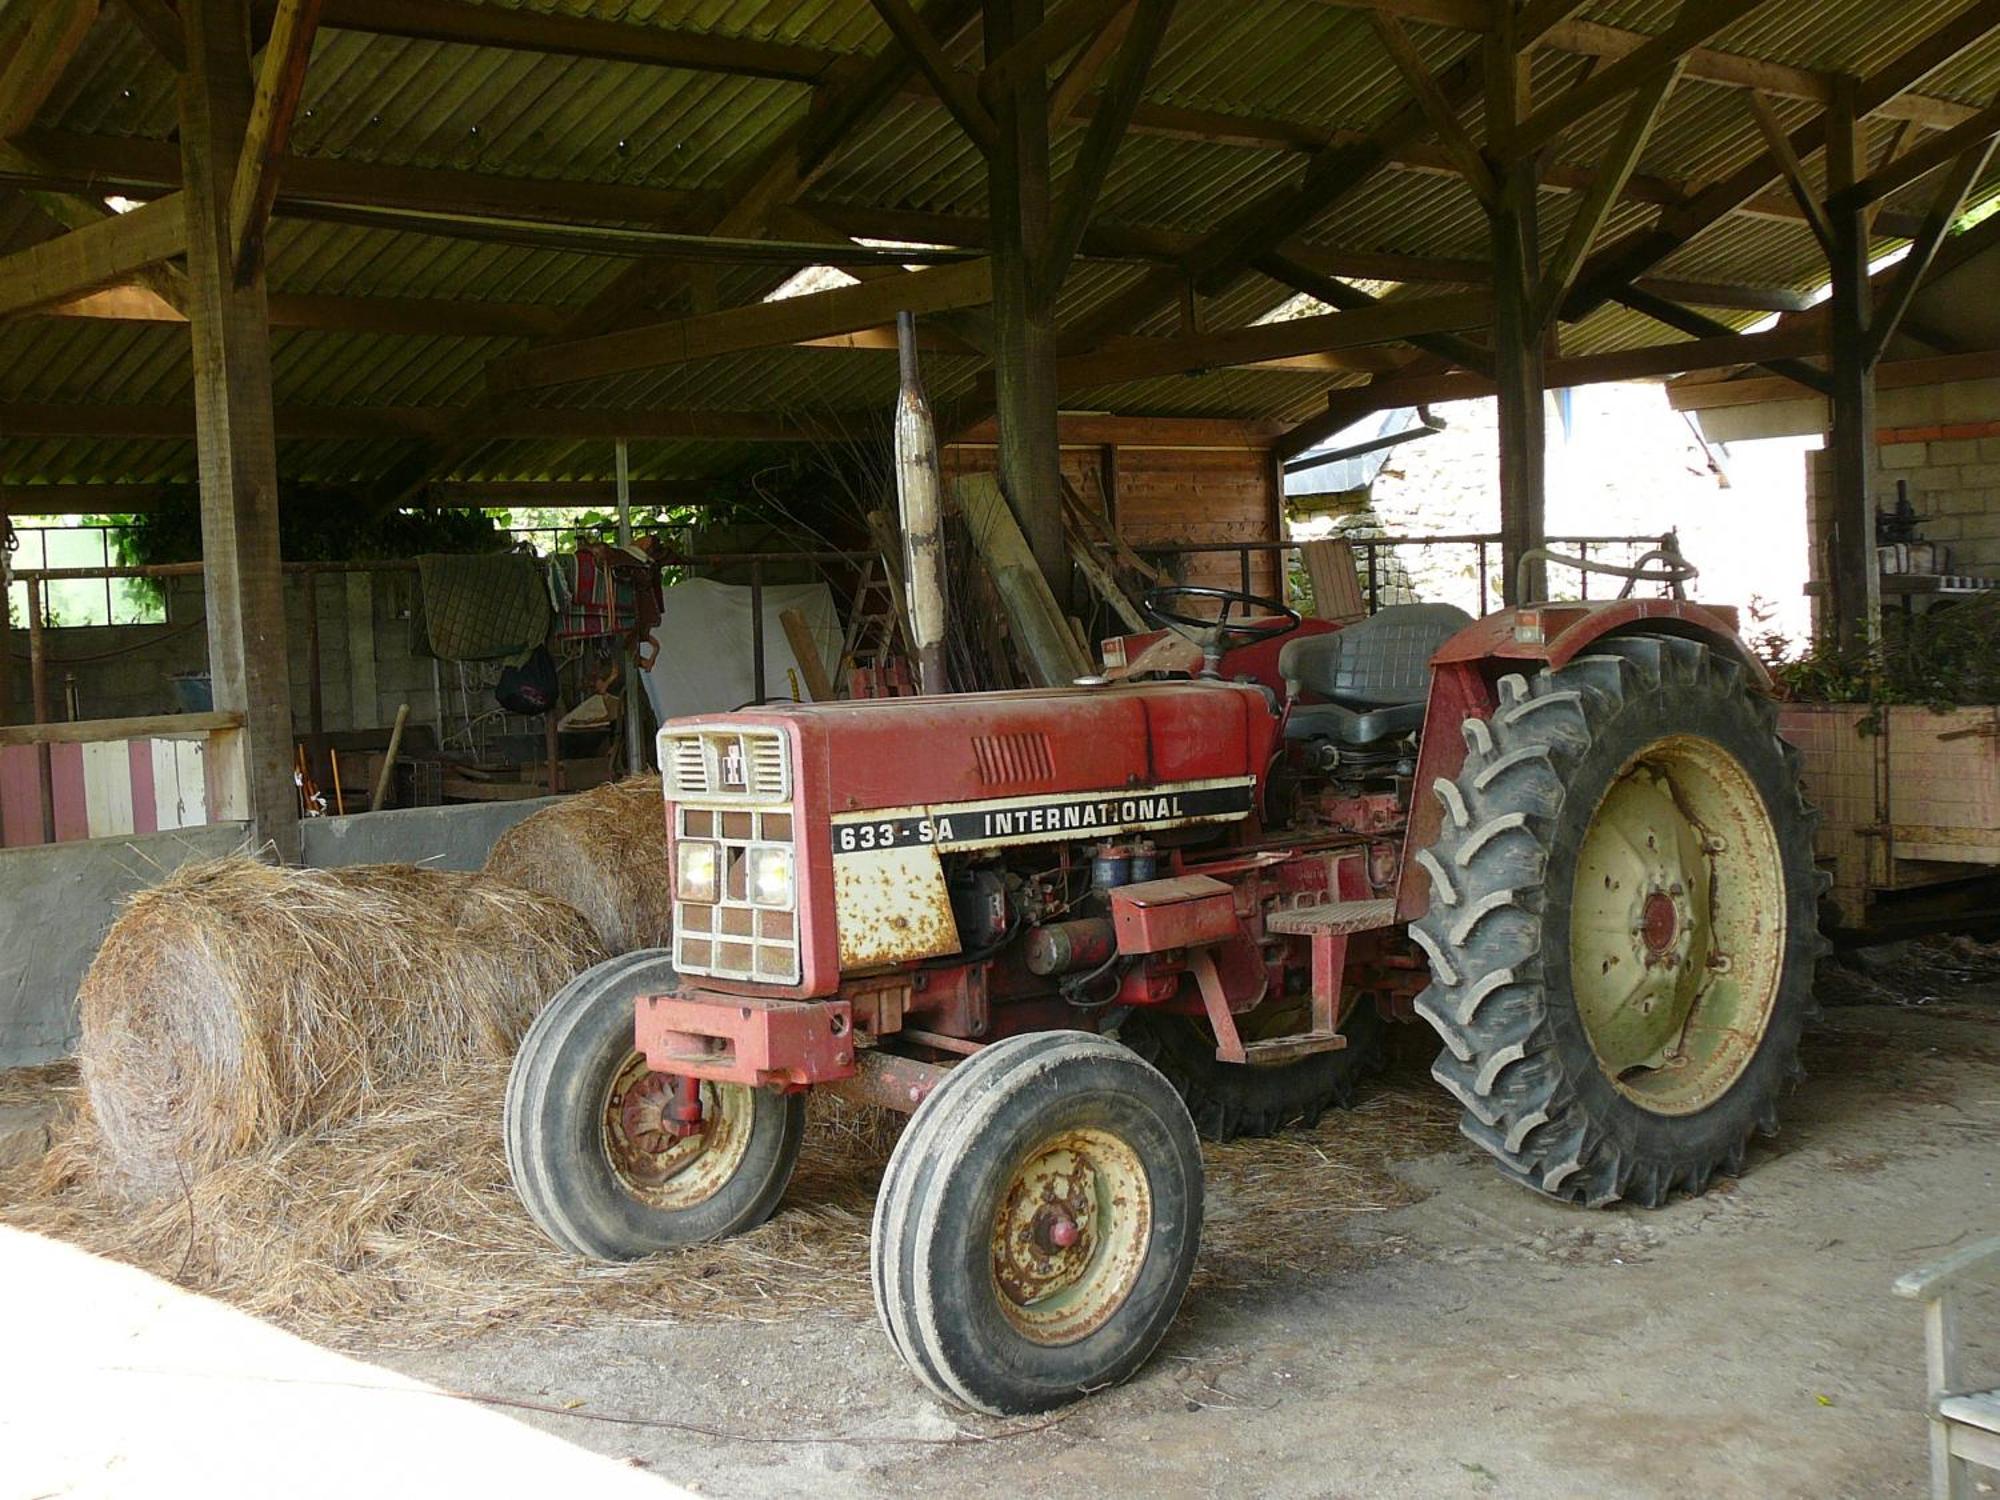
[
  {"x": 1622, "y": 930},
  {"x": 595, "y": 1147},
  {"x": 1038, "y": 1223}
]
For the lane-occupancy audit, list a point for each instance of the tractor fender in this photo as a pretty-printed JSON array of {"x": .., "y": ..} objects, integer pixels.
[{"x": 1555, "y": 633}]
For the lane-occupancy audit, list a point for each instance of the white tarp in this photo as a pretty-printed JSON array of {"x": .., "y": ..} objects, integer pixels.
[{"x": 705, "y": 665}]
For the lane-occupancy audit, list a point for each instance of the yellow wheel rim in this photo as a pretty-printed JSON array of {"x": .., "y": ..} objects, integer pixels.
[
  {"x": 1677, "y": 925},
  {"x": 1070, "y": 1235}
]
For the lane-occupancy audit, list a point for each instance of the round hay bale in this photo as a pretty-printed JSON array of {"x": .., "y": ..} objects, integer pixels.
[
  {"x": 237, "y": 1003},
  {"x": 603, "y": 851}
]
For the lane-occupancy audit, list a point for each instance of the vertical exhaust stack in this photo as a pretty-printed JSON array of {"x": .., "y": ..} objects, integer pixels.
[{"x": 917, "y": 490}]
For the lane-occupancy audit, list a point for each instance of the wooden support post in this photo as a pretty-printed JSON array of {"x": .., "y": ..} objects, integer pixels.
[
  {"x": 1518, "y": 348},
  {"x": 1857, "y": 584},
  {"x": 236, "y": 453},
  {"x": 1024, "y": 332}
]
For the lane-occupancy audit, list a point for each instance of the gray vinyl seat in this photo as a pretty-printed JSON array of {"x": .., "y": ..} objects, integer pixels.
[{"x": 1375, "y": 674}]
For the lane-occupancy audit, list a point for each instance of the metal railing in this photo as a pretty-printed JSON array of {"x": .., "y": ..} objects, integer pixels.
[{"x": 1371, "y": 562}]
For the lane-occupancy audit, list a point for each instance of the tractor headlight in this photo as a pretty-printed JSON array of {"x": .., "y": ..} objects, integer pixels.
[
  {"x": 697, "y": 872},
  {"x": 771, "y": 876}
]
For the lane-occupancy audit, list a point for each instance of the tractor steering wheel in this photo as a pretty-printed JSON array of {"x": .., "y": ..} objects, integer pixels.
[{"x": 1213, "y": 635}]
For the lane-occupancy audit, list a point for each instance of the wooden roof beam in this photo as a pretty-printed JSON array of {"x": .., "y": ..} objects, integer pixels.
[
  {"x": 1946, "y": 205},
  {"x": 1081, "y": 72},
  {"x": 34, "y": 51},
  {"x": 525, "y": 30},
  {"x": 160, "y": 24},
  {"x": 343, "y": 423},
  {"x": 1385, "y": 322},
  {"x": 1635, "y": 254},
  {"x": 97, "y": 255},
  {"x": 761, "y": 325},
  {"x": 1920, "y": 160},
  {"x": 957, "y": 91},
  {"x": 1101, "y": 138},
  {"x": 281, "y": 80},
  {"x": 1686, "y": 320},
  {"x": 1705, "y": 64},
  {"x": 1697, "y": 22},
  {"x": 1443, "y": 114}
]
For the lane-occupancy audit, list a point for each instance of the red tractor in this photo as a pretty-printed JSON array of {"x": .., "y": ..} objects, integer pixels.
[{"x": 1070, "y": 929}]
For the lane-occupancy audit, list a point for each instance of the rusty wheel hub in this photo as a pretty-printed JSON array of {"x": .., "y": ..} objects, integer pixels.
[
  {"x": 1070, "y": 1235},
  {"x": 671, "y": 1145}
]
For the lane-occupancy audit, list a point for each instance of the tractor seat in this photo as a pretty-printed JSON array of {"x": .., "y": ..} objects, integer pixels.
[{"x": 1374, "y": 674}]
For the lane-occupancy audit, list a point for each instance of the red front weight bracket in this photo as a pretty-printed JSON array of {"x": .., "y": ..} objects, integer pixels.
[{"x": 742, "y": 1039}]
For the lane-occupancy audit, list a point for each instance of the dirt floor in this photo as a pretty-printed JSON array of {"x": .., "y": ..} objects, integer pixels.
[
  {"x": 1478, "y": 1342},
  {"x": 1378, "y": 1313}
]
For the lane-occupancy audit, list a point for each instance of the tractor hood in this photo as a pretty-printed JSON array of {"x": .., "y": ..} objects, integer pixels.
[{"x": 927, "y": 752}]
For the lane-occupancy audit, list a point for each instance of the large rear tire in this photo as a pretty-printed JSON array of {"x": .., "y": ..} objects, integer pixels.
[
  {"x": 1038, "y": 1223},
  {"x": 584, "y": 1127},
  {"x": 1622, "y": 930}
]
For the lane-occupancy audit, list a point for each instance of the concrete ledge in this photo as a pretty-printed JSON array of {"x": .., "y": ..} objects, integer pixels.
[
  {"x": 445, "y": 838},
  {"x": 55, "y": 903}
]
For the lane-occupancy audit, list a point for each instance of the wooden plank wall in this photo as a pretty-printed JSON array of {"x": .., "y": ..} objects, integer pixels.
[{"x": 1171, "y": 495}]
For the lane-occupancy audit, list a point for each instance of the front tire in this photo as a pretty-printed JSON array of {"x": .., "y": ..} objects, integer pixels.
[
  {"x": 1623, "y": 924},
  {"x": 586, "y": 1149},
  {"x": 1038, "y": 1223}
]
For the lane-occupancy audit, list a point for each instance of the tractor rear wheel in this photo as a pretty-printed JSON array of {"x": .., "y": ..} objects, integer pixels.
[
  {"x": 1623, "y": 927},
  {"x": 1038, "y": 1223},
  {"x": 1228, "y": 1100},
  {"x": 591, "y": 1148}
]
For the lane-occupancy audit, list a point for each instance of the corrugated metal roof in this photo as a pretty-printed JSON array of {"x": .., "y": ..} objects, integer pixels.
[{"x": 1315, "y": 64}]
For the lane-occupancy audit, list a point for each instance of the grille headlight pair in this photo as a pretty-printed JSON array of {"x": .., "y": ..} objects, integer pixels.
[{"x": 698, "y": 874}]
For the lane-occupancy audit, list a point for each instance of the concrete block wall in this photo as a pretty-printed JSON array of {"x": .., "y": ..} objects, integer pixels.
[{"x": 1953, "y": 475}]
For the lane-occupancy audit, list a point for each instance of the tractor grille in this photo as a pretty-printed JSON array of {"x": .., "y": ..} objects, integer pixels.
[
  {"x": 730, "y": 789},
  {"x": 735, "y": 936},
  {"x": 725, "y": 765}
]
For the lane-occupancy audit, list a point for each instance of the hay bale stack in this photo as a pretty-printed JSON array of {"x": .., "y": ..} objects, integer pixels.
[
  {"x": 239, "y": 1003},
  {"x": 603, "y": 851}
]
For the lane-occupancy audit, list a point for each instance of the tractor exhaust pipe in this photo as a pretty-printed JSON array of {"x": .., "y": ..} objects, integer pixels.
[{"x": 917, "y": 486}]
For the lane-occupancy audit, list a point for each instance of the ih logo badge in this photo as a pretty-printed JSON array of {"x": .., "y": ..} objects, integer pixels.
[{"x": 735, "y": 775}]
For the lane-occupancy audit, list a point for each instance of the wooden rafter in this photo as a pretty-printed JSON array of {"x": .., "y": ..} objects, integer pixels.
[
  {"x": 579, "y": 36},
  {"x": 34, "y": 51},
  {"x": 160, "y": 24},
  {"x": 1540, "y": 17},
  {"x": 340, "y": 423},
  {"x": 97, "y": 255},
  {"x": 1614, "y": 171},
  {"x": 1779, "y": 142},
  {"x": 1697, "y": 22},
  {"x": 761, "y": 325},
  {"x": 1648, "y": 362},
  {"x": 1687, "y": 320},
  {"x": 1100, "y": 143},
  {"x": 1922, "y": 159},
  {"x": 1337, "y": 294},
  {"x": 1385, "y": 322},
  {"x": 281, "y": 81},
  {"x": 1081, "y": 72},
  {"x": 958, "y": 91},
  {"x": 1443, "y": 116},
  {"x": 1635, "y": 254},
  {"x": 1946, "y": 205},
  {"x": 1032, "y": 54}
]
